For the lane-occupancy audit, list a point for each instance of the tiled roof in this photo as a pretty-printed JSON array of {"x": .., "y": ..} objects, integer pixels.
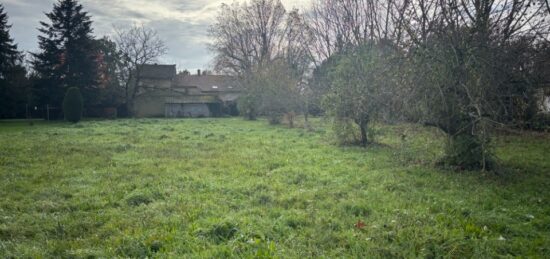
[
  {"x": 208, "y": 83},
  {"x": 150, "y": 71}
]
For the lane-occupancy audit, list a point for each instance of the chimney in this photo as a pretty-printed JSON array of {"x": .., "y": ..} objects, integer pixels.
[{"x": 198, "y": 72}]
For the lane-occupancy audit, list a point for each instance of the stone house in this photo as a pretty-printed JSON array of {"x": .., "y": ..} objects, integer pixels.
[{"x": 164, "y": 93}]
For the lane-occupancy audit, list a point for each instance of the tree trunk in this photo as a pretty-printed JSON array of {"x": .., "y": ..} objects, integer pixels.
[
  {"x": 306, "y": 111},
  {"x": 363, "y": 127},
  {"x": 131, "y": 107}
]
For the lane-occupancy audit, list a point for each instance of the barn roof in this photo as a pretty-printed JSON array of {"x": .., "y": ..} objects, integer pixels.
[
  {"x": 154, "y": 71},
  {"x": 208, "y": 83}
]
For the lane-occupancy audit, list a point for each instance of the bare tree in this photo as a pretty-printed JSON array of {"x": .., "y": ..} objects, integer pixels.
[
  {"x": 252, "y": 38},
  {"x": 296, "y": 50},
  {"x": 295, "y": 43},
  {"x": 247, "y": 35},
  {"x": 138, "y": 46},
  {"x": 339, "y": 24}
]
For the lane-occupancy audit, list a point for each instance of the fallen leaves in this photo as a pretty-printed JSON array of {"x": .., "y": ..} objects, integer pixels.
[{"x": 360, "y": 224}]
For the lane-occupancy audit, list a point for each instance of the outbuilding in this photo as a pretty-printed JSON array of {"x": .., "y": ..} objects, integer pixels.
[{"x": 163, "y": 93}]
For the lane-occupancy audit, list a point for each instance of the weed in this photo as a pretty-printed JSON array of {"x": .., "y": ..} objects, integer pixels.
[
  {"x": 138, "y": 199},
  {"x": 221, "y": 232}
]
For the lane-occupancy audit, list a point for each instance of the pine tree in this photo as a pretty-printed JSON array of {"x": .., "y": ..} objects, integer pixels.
[
  {"x": 8, "y": 50},
  {"x": 67, "y": 57},
  {"x": 72, "y": 105},
  {"x": 12, "y": 74}
]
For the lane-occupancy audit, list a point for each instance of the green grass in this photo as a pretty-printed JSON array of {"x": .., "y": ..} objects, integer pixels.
[{"x": 233, "y": 188}]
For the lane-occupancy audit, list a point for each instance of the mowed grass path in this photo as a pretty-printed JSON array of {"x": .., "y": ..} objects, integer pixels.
[{"x": 233, "y": 188}]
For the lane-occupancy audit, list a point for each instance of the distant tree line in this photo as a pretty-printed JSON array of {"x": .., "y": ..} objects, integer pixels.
[
  {"x": 463, "y": 66},
  {"x": 104, "y": 69}
]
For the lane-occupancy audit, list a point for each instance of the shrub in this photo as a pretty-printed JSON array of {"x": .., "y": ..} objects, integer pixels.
[
  {"x": 540, "y": 122},
  {"x": 345, "y": 131},
  {"x": 290, "y": 118},
  {"x": 274, "y": 118},
  {"x": 467, "y": 152},
  {"x": 248, "y": 106},
  {"x": 73, "y": 105}
]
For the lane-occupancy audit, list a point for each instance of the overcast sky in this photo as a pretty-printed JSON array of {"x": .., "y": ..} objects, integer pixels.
[{"x": 182, "y": 24}]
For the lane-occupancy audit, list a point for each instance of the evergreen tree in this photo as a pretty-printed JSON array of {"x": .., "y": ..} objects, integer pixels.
[
  {"x": 8, "y": 50},
  {"x": 72, "y": 105},
  {"x": 67, "y": 57},
  {"x": 12, "y": 74}
]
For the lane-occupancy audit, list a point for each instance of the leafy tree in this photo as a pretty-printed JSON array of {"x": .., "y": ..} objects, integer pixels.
[
  {"x": 110, "y": 64},
  {"x": 320, "y": 84},
  {"x": 271, "y": 90},
  {"x": 464, "y": 73},
  {"x": 67, "y": 55},
  {"x": 448, "y": 92},
  {"x": 249, "y": 100},
  {"x": 359, "y": 88},
  {"x": 279, "y": 91},
  {"x": 73, "y": 105}
]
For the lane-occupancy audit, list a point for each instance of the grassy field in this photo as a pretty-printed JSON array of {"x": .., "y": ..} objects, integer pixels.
[{"x": 233, "y": 188}]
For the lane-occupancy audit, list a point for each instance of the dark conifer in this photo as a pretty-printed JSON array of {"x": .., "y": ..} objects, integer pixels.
[
  {"x": 8, "y": 50},
  {"x": 67, "y": 57},
  {"x": 72, "y": 105},
  {"x": 12, "y": 73}
]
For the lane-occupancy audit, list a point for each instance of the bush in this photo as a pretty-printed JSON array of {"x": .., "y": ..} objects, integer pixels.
[
  {"x": 73, "y": 105},
  {"x": 290, "y": 118},
  {"x": 247, "y": 106},
  {"x": 540, "y": 122},
  {"x": 345, "y": 131},
  {"x": 274, "y": 118},
  {"x": 467, "y": 152}
]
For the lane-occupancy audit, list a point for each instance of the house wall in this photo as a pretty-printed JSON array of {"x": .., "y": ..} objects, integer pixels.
[
  {"x": 156, "y": 83},
  {"x": 179, "y": 110},
  {"x": 149, "y": 106},
  {"x": 165, "y": 98}
]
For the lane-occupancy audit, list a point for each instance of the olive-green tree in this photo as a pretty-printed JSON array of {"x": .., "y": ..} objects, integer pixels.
[
  {"x": 272, "y": 90},
  {"x": 360, "y": 86}
]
